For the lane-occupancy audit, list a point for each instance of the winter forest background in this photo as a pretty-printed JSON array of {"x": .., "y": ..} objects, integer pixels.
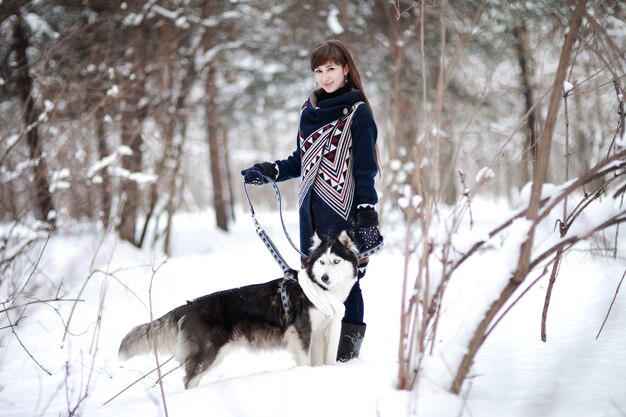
[{"x": 115, "y": 117}]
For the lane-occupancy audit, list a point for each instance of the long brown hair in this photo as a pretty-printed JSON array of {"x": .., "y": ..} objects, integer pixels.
[{"x": 336, "y": 52}]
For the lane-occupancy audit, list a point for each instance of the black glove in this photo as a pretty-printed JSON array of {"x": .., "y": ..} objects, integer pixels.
[
  {"x": 254, "y": 174},
  {"x": 367, "y": 228}
]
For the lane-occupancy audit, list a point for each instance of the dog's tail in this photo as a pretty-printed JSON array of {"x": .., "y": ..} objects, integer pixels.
[{"x": 161, "y": 332}]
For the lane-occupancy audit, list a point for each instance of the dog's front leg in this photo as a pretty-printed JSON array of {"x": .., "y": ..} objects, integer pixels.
[
  {"x": 295, "y": 346},
  {"x": 317, "y": 348},
  {"x": 331, "y": 344},
  {"x": 319, "y": 326}
]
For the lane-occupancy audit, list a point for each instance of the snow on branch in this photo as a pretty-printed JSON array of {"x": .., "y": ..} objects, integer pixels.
[{"x": 204, "y": 58}]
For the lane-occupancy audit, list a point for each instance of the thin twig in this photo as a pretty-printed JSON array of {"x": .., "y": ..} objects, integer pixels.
[
  {"x": 621, "y": 131},
  {"x": 35, "y": 265},
  {"x": 73, "y": 309},
  {"x": 546, "y": 303},
  {"x": 23, "y": 346},
  {"x": 510, "y": 307},
  {"x": 562, "y": 228},
  {"x": 38, "y": 302},
  {"x": 135, "y": 382},
  {"x": 158, "y": 381},
  {"x": 467, "y": 195},
  {"x": 82, "y": 289},
  {"x": 152, "y": 336},
  {"x": 566, "y": 244},
  {"x": 611, "y": 306}
]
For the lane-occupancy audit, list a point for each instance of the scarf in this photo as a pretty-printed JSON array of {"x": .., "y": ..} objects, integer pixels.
[{"x": 324, "y": 300}]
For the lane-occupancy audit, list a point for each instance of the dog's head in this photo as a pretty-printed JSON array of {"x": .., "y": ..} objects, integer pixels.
[{"x": 333, "y": 261}]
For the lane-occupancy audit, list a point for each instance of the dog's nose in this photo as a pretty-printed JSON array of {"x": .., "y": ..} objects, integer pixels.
[{"x": 325, "y": 279}]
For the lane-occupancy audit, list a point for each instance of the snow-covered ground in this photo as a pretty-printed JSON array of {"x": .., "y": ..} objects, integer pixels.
[{"x": 515, "y": 374}]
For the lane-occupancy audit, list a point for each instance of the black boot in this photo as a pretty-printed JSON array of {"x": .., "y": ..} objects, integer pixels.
[{"x": 350, "y": 341}]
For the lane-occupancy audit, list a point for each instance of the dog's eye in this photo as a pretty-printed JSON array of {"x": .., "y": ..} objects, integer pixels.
[
  {"x": 336, "y": 261},
  {"x": 322, "y": 262}
]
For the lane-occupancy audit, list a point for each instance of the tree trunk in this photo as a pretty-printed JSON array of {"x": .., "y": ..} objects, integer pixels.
[
  {"x": 229, "y": 177},
  {"x": 8, "y": 197},
  {"x": 44, "y": 207},
  {"x": 133, "y": 115},
  {"x": 170, "y": 207},
  {"x": 520, "y": 39},
  {"x": 176, "y": 154},
  {"x": 175, "y": 179},
  {"x": 344, "y": 16},
  {"x": 444, "y": 181},
  {"x": 105, "y": 185},
  {"x": 216, "y": 152},
  {"x": 397, "y": 99}
]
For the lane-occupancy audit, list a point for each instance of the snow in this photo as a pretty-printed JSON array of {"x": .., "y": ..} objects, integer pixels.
[
  {"x": 113, "y": 91},
  {"x": 515, "y": 374},
  {"x": 413, "y": 201},
  {"x": 572, "y": 374},
  {"x": 484, "y": 174},
  {"x": 395, "y": 165},
  {"x": 620, "y": 141},
  {"x": 59, "y": 180},
  {"x": 333, "y": 22},
  {"x": 547, "y": 191},
  {"x": 567, "y": 87},
  {"x": 40, "y": 26}
]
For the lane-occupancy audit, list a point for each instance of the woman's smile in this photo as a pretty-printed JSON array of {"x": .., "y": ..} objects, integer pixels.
[{"x": 330, "y": 76}]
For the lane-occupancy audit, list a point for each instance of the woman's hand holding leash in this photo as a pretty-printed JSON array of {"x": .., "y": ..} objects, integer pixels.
[
  {"x": 367, "y": 231},
  {"x": 256, "y": 173}
]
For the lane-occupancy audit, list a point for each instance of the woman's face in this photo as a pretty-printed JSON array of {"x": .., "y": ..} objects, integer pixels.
[{"x": 330, "y": 76}]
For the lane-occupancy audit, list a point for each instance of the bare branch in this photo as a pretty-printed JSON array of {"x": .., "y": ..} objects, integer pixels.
[
  {"x": 154, "y": 339},
  {"x": 23, "y": 346},
  {"x": 50, "y": 300},
  {"x": 136, "y": 381},
  {"x": 539, "y": 175},
  {"x": 611, "y": 306}
]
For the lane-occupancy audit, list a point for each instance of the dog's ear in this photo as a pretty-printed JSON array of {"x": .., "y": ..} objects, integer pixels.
[
  {"x": 318, "y": 239},
  {"x": 347, "y": 240}
]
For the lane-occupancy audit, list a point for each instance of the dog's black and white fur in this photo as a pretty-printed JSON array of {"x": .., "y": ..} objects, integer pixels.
[{"x": 199, "y": 332}]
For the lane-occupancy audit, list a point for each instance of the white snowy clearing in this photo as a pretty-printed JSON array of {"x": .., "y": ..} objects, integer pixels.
[{"x": 515, "y": 375}]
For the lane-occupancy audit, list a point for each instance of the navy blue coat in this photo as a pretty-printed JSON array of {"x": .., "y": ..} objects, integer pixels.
[{"x": 346, "y": 166}]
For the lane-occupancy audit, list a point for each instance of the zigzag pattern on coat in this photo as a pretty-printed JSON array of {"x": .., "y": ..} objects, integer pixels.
[
  {"x": 312, "y": 149},
  {"x": 327, "y": 164}
]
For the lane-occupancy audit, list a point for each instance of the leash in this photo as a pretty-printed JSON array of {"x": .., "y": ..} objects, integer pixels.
[
  {"x": 287, "y": 270},
  {"x": 270, "y": 244}
]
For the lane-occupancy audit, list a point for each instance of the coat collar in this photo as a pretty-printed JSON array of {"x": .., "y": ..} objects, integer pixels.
[
  {"x": 347, "y": 99},
  {"x": 314, "y": 113}
]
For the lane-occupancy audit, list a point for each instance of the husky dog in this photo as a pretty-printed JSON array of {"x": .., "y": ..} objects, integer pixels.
[{"x": 303, "y": 315}]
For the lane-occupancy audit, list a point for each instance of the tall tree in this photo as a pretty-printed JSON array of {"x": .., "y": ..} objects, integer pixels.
[
  {"x": 105, "y": 184},
  {"x": 520, "y": 40},
  {"x": 216, "y": 150},
  {"x": 213, "y": 44},
  {"x": 134, "y": 111},
  {"x": 43, "y": 198}
]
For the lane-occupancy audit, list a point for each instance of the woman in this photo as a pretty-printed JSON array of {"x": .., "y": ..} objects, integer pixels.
[{"x": 336, "y": 156}]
